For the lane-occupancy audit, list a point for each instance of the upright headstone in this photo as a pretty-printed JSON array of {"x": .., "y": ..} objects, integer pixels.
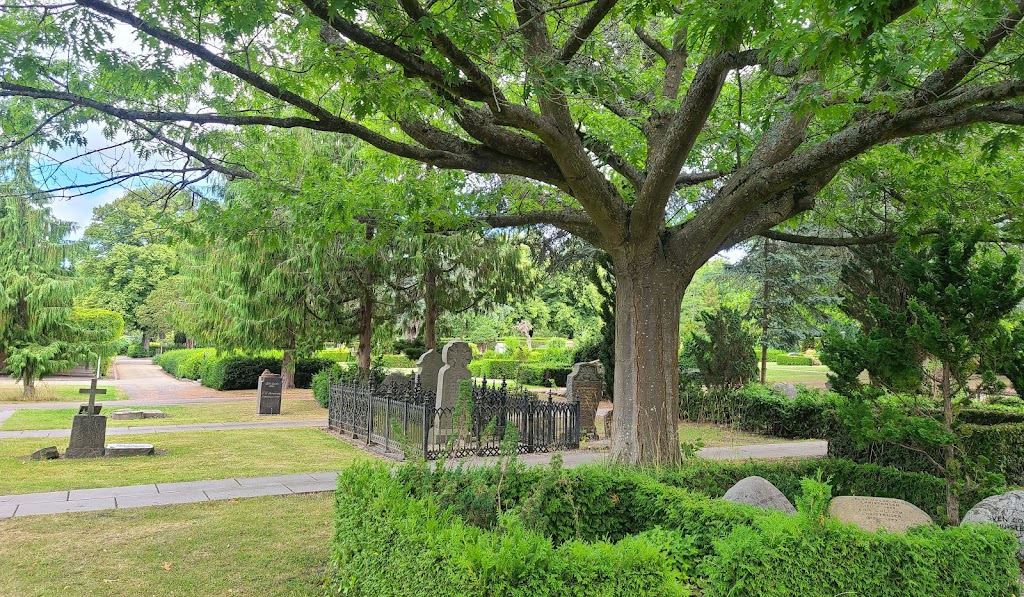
[
  {"x": 1005, "y": 511},
  {"x": 584, "y": 385},
  {"x": 787, "y": 389},
  {"x": 874, "y": 513},
  {"x": 430, "y": 364},
  {"x": 268, "y": 389},
  {"x": 501, "y": 348},
  {"x": 89, "y": 430},
  {"x": 395, "y": 382},
  {"x": 757, "y": 491},
  {"x": 457, "y": 356}
]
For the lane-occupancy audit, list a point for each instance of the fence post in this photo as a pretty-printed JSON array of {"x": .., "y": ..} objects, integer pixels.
[
  {"x": 529, "y": 425},
  {"x": 405, "y": 422},
  {"x": 369, "y": 414},
  {"x": 426, "y": 432}
]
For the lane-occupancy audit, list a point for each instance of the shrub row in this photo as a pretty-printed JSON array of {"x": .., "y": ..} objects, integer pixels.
[
  {"x": 535, "y": 374},
  {"x": 396, "y": 361},
  {"x": 608, "y": 531},
  {"x": 338, "y": 356},
  {"x": 786, "y": 359},
  {"x": 233, "y": 371}
]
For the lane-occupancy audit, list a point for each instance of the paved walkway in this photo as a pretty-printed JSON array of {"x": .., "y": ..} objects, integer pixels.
[
  {"x": 134, "y": 496},
  {"x": 167, "y": 428},
  {"x": 160, "y": 494}
]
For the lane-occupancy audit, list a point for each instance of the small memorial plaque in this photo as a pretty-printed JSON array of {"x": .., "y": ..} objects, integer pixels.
[
  {"x": 269, "y": 392},
  {"x": 874, "y": 513}
]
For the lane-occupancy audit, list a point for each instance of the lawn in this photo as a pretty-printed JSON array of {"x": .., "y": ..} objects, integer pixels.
[
  {"x": 191, "y": 456},
  {"x": 257, "y": 546},
  {"x": 228, "y": 412},
  {"x": 812, "y": 375},
  {"x": 58, "y": 393}
]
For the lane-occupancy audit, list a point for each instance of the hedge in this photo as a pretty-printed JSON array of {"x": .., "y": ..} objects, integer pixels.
[
  {"x": 793, "y": 360},
  {"x": 598, "y": 530},
  {"x": 338, "y": 356},
  {"x": 397, "y": 361},
  {"x": 234, "y": 372},
  {"x": 534, "y": 374}
]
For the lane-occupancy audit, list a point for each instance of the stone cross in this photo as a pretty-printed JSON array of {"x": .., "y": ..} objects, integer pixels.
[
  {"x": 92, "y": 391},
  {"x": 584, "y": 386},
  {"x": 430, "y": 364}
]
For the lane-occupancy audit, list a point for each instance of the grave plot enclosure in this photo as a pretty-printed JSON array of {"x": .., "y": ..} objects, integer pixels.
[{"x": 484, "y": 417}]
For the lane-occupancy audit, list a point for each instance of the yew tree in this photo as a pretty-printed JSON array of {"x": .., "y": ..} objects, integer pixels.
[{"x": 661, "y": 132}]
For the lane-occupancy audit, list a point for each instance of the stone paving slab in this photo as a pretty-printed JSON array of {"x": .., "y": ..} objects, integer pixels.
[
  {"x": 216, "y": 485},
  {"x": 246, "y": 492},
  {"x": 161, "y": 499},
  {"x": 313, "y": 486},
  {"x": 143, "y": 429},
  {"x": 64, "y": 507},
  {"x": 324, "y": 476},
  {"x": 276, "y": 480},
  {"x": 114, "y": 492},
  {"x": 34, "y": 498},
  {"x": 7, "y": 511}
]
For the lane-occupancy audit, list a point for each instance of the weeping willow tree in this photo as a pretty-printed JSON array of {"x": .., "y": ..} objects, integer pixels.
[{"x": 37, "y": 288}]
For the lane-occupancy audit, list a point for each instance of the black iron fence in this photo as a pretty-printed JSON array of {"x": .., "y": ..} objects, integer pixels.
[{"x": 492, "y": 420}]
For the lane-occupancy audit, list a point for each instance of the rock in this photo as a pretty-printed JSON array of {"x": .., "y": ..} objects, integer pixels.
[
  {"x": 125, "y": 415},
  {"x": 788, "y": 390},
  {"x": 1005, "y": 511},
  {"x": 118, "y": 450},
  {"x": 874, "y": 513},
  {"x": 757, "y": 491},
  {"x": 50, "y": 453}
]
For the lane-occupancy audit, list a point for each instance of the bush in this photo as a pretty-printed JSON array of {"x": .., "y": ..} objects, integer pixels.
[
  {"x": 322, "y": 381},
  {"x": 544, "y": 374},
  {"x": 609, "y": 531},
  {"x": 337, "y": 356},
  {"x": 397, "y": 361},
  {"x": 412, "y": 349},
  {"x": 305, "y": 369},
  {"x": 238, "y": 372},
  {"x": 725, "y": 356},
  {"x": 793, "y": 360}
]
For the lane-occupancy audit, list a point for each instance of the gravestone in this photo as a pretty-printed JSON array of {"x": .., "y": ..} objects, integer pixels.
[
  {"x": 584, "y": 385},
  {"x": 128, "y": 414},
  {"x": 88, "y": 431},
  {"x": 50, "y": 453},
  {"x": 874, "y": 513},
  {"x": 501, "y": 348},
  {"x": 268, "y": 389},
  {"x": 1005, "y": 511},
  {"x": 758, "y": 491},
  {"x": 395, "y": 382},
  {"x": 119, "y": 450},
  {"x": 787, "y": 389},
  {"x": 457, "y": 356},
  {"x": 430, "y": 364}
]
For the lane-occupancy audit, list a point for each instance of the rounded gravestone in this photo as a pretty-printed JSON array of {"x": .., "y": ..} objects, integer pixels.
[
  {"x": 875, "y": 513},
  {"x": 758, "y": 491},
  {"x": 787, "y": 389},
  {"x": 1005, "y": 511}
]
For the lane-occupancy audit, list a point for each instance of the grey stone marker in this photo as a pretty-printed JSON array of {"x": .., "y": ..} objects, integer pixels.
[
  {"x": 457, "y": 356},
  {"x": 430, "y": 364},
  {"x": 584, "y": 386},
  {"x": 88, "y": 431},
  {"x": 1005, "y": 511},
  {"x": 126, "y": 415},
  {"x": 268, "y": 389},
  {"x": 874, "y": 513},
  {"x": 118, "y": 450},
  {"x": 50, "y": 453},
  {"x": 788, "y": 390},
  {"x": 758, "y": 491},
  {"x": 395, "y": 382}
]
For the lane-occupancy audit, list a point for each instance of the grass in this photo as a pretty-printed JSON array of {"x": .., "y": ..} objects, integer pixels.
[
  {"x": 258, "y": 546},
  {"x": 715, "y": 436},
  {"x": 58, "y": 393},
  {"x": 191, "y": 456},
  {"x": 228, "y": 412},
  {"x": 815, "y": 375}
]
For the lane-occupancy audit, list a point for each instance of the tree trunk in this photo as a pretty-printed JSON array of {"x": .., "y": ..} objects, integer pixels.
[
  {"x": 288, "y": 369},
  {"x": 647, "y": 308},
  {"x": 764, "y": 361},
  {"x": 952, "y": 499},
  {"x": 145, "y": 340},
  {"x": 365, "y": 333},
  {"x": 29, "y": 388},
  {"x": 430, "y": 308}
]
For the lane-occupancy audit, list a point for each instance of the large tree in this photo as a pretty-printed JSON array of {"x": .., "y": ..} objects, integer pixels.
[{"x": 660, "y": 132}]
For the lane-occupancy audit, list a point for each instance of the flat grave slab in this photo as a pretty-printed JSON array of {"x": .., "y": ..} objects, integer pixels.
[{"x": 120, "y": 450}]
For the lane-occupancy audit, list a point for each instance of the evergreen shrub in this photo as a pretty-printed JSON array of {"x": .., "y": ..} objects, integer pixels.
[
  {"x": 600, "y": 530},
  {"x": 785, "y": 359}
]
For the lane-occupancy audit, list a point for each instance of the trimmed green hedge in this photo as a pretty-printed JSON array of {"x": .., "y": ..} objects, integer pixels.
[
  {"x": 337, "y": 356},
  {"x": 793, "y": 360},
  {"x": 609, "y": 531},
  {"x": 397, "y": 361},
  {"x": 530, "y": 373},
  {"x": 234, "y": 372}
]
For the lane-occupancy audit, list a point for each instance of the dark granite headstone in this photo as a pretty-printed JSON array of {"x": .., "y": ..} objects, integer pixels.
[
  {"x": 88, "y": 434},
  {"x": 269, "y": 392}
]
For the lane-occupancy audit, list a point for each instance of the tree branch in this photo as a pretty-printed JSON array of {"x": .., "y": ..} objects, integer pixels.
[
  {"x": 831, "y": 241},
  {"x": 573, "y": 221},
  {"x": 593, "y": 18}
]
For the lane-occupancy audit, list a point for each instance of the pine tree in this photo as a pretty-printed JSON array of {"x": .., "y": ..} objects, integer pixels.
[{"x": 37, "y": 288}]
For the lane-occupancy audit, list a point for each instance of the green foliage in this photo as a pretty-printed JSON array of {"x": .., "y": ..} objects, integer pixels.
[
  {"x": 321, "y": 384},
  {"x": 412, "y": 349},
  {"x": 793, "y": 360},
  {"x": 725, "y": 355},
  {"x": 233, "y": 371},
  {"x": 340, "y": 355},
  {"x": 397, "y": 361},
  {"x": 548, "y": 531}
]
